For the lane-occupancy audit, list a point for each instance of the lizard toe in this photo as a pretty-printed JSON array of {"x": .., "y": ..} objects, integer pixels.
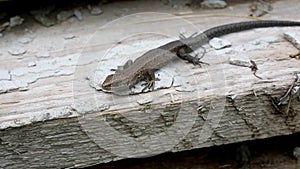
[{"x": 197, "y": 61}]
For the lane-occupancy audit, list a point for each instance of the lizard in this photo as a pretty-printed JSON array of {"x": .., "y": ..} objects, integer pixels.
[{"x": 144, "y": 67}]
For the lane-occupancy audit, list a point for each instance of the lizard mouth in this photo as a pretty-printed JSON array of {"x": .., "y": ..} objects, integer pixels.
[{"x": 107, "y": 84}]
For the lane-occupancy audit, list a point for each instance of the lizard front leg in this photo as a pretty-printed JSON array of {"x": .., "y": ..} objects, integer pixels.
[{"x": 150, "y": 79}]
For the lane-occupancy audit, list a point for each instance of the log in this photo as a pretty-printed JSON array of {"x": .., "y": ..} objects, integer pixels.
[{"x": 54, "y": 115}]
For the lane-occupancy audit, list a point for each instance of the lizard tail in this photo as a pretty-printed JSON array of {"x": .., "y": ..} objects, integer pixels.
[{"x": 242, "y": 26}]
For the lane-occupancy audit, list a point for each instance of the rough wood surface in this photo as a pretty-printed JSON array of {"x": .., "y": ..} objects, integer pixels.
[{"x": 50, "y": 116}]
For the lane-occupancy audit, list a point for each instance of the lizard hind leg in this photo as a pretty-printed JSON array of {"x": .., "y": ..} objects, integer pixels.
[
  {"x": 191, "y": 59},
  {"x": 188, "y": 49},
  {"x": 185, "y": 53}
]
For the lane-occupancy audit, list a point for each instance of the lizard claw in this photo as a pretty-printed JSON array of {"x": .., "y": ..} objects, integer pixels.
[
  {"x": 197, "y": 61},
  {"x": 148, "y": 85}
]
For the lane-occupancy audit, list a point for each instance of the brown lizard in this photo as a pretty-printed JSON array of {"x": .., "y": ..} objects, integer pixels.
[{"x": 143, "y": 67}]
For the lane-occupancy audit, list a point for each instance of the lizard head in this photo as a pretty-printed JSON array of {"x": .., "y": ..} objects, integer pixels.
[
  {"x": 114, "y": 82},
  {"x": 108, "y": 82}
]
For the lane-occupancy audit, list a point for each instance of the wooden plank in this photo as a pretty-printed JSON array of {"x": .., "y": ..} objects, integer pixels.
[{"x": 56, "y": 119}]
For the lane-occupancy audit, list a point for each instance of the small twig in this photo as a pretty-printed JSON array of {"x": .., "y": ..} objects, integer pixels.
[
  {"x": 277, "y": 103},
  {"x": 254, "y": 69},
  {"x": 296, "y": 56},
  {"x": 288, "y": 93}
]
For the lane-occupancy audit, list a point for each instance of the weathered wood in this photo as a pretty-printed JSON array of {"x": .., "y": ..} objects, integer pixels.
[{"x": 57, "y": 120}]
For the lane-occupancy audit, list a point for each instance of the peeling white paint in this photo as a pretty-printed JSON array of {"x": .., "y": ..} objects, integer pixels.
[
  {"x": 7, "y": 85},
  {"x": 17, "y": 51},
  {"x": 294, "y": 38},
  {"x": 4, "y": 75},
  {"x": 219, "y": 43}
]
